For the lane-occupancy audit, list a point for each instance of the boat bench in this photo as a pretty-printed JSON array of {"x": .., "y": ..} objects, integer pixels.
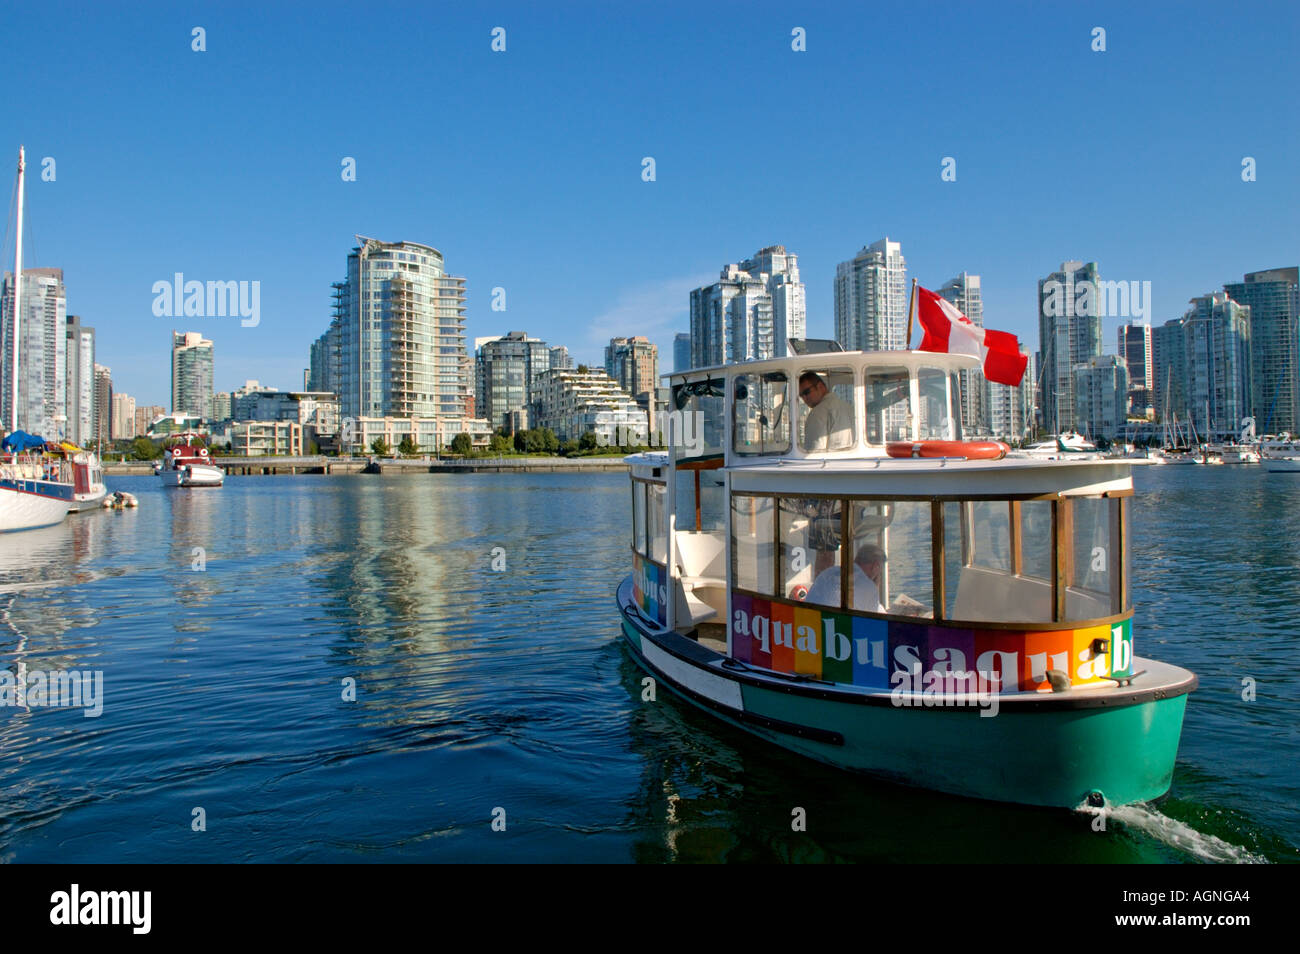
[
  {"x": 700, "y": 560},
  {"x": 697, "y": 611}
]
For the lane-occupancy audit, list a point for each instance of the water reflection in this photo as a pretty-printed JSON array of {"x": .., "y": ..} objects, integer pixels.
[
  {"x": 712, "y": 793},
  {"x": 40, "y": 572},
  {"x": 477, "y": 688}
]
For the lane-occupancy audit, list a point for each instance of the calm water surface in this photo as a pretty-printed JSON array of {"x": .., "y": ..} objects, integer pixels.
[{"x": 478, "y": 690}]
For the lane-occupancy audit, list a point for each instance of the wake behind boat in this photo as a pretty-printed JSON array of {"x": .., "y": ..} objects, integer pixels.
[{"x": 821, "y": 561}]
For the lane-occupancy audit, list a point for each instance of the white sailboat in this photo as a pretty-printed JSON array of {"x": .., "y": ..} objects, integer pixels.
[{"x": 35, "y": 491}]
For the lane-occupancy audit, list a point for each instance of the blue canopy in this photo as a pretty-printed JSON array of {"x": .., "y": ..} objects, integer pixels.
[{"x": 20, "y": 441}]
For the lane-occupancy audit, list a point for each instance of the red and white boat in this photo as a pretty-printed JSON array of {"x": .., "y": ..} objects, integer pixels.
[
  {"x": 186, "y": 464},
  {"x": 87, "y": 473}
]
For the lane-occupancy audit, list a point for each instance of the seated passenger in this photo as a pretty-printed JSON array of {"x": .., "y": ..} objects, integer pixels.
[
  {"x": 829, "y": 425},
  {"x": 866, "y": 582}
]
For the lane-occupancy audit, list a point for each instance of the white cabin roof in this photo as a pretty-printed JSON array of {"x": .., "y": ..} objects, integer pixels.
[{"x": 825, "y": 359}]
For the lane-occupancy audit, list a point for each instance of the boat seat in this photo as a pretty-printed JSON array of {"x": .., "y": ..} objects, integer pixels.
[
  {"x": 698, "y": 582},
  {"x": 700, "y": 554},
  {"x": 697, "y": 611}
]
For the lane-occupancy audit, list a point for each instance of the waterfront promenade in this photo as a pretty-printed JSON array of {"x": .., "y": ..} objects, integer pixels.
[{"x": 320, "y": 464}]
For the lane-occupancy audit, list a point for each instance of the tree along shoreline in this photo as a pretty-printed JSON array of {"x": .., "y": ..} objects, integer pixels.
[{"x": 540, "y": 442}]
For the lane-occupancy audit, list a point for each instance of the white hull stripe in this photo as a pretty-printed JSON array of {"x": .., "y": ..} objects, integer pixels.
[{"x": 719, "y": 689}]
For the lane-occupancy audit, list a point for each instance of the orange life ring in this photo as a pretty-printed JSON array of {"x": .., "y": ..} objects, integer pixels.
[{"x": 971, "y": 450}]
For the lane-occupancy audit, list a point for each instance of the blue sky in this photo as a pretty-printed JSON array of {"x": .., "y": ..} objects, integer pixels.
[{"x": 524, "y": 167}]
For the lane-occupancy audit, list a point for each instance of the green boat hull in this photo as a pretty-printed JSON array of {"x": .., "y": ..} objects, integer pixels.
[{"x": 1041, "y": 754}]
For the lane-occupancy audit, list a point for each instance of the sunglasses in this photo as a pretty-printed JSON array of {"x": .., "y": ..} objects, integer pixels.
[{"x": 808, "y": 390}]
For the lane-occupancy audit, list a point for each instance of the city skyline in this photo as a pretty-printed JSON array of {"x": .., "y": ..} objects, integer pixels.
[
  {"x": 252, "y": 188},
  {"x": 1057, "y": 292}
]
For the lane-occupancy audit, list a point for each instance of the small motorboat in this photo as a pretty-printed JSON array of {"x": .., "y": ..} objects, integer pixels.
[{"x": 187, "y": 464}]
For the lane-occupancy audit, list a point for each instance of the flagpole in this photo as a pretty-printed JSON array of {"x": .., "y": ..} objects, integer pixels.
[{"x": 911, "y": 309}]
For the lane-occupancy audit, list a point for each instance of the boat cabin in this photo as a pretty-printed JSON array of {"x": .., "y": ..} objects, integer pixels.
[
  {"x": 186, "y": 453},
  {"x": 779, "y": 532}
]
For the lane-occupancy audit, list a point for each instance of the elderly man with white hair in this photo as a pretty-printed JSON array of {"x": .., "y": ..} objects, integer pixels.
[{"x": 867, "y": 565}]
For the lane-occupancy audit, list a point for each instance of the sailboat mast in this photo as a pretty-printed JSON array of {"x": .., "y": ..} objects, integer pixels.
[{"x": 15, "y": 319}]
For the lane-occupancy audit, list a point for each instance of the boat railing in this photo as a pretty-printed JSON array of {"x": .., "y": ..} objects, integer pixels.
[
  {"x": 35, "y": 467},
  {"x": 860, "y": 463}
]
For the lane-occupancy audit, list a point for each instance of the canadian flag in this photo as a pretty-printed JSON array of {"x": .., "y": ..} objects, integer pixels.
[{"x": 948, "y": 331}]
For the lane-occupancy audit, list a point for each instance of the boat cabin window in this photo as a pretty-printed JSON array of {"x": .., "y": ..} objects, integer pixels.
[
  {"x": 826, "y": 414},
  {"x": 760, "y": 425},
  {"x": 1094, "y": 575},
  {"x": 899, "y": 532},
  {"x": 1033, "y": 561},
  {"x": 701, "y": 500},
  {"x": 1001, "y": 560},
  {"x": 887, "y": 395},
  {"x": 656, "y": 522},
  {"x": 753, "y": 565},
  {"x": 886, "y": 566},
  {"x": 638, "y": 517},
  {"x": 936, "y": 421},
  {"x": 1034, "y": 537},
  {"x": 696, "y": 425},
  {"x": 649, "y": 519},
  {"x": 810, "y": 535}
]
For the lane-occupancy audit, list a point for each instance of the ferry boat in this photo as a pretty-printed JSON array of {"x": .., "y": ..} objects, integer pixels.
[
  {"x": 186, "y": 464},
  {"x": 822, "y": 561}
]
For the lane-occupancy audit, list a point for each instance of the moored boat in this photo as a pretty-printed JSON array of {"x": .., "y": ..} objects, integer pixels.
[
  {"x": 1068, "y": 443},
  {"x": 187, "y": 464},
  {"x": 956, "y": 622},
  {"x": 88, "y": 489},
  {"x": 35, "y": 490},
  {"x": 1282, "y": 465}
]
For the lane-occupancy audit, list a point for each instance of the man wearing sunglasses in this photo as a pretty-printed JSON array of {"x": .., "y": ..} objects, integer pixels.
[{"x": 829, "y": 425}]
